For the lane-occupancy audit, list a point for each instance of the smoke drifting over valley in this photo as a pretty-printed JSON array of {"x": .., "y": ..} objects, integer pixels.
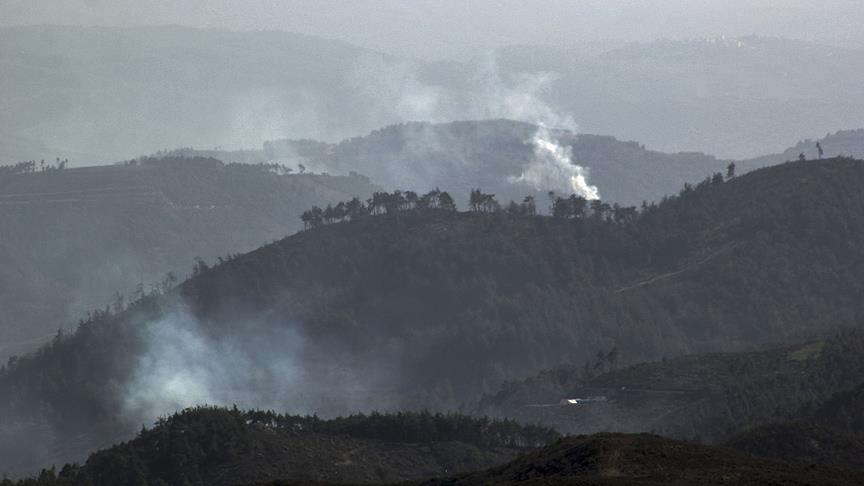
[{"x": 250, "y": 363}]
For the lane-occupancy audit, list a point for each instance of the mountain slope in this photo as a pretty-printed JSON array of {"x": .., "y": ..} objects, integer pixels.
[
  {"x": 211, "y": 446},
  {"x": 432, "y": 308},
  {"x": 849, "y": 143},
  {"x": 222, "y": 447},
  {"x": 73, "y": 237},
  {"x": 647, "y": 459},
  {"x": 709, "y": 396},
  {"x": 802, "y": 443}
]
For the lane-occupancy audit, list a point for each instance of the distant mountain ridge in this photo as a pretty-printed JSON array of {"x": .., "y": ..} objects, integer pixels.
[{"x": 69, "y": 91}]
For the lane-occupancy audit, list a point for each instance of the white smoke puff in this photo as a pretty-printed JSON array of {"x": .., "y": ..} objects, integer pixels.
[
  {"x": 184, "y": 366},
  {"x": 519, "y": 97},
  {"x": 552, "y": 168}
]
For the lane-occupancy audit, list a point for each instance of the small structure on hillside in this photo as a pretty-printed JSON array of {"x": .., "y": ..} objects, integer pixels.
[{"x": 568, "y": 402}]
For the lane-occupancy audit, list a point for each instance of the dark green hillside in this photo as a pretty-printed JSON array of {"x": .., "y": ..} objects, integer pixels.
[
  {"x": 213, "y": 446},
  {"x": 704, "y": 396},
  {"x": 618, "y": 459},
  {"x": 802, "y": 443},
  {"x": 71, "y": 238},
  {"x": 432, "y": 308}
]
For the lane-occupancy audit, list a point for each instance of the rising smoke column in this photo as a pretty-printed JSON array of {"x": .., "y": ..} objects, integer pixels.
[
  {"x": 552, "y": 168},
  {"x": 520, "y": 98}
]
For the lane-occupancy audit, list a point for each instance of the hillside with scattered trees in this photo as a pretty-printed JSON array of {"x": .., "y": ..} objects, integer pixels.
[
  {"x": 704, "y": 397},
  {"x": 412, "y": 305},
  {"x": 614, "y": 459},
  {"x": 494, "y": 154},
  {"x": 79, "y": 238},
  {"x": 213, "y": 447}
]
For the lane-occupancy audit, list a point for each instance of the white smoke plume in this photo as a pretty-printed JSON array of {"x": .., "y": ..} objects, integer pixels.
[
  {"x": 518, "y": 98},
  {"x": 251, "y": 364},
  {"x": 553, "y": 169}
]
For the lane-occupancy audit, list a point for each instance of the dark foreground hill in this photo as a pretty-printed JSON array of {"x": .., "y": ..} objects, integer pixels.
[
  {"x": 618, "y": 459},
  {"x": 430, "y": 308},
  {"x": 802, "y": 442},
  {"x": 71, "y": 238},
  {"x": 214, "y": 447},
  {"x": 209, "y": 446}
]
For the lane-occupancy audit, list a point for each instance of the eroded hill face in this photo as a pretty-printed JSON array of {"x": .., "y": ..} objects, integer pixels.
[
  {"x": 426, "y": 309},
  {"x": 72, "y": 238}
]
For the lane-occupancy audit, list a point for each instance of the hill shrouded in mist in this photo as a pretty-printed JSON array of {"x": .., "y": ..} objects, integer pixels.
[
  {"x": 431, "y": 308},
  {"x": 101, "y": 94},
  {"x": 72, "y": 238},
  {"x": 507, "y": 158}
]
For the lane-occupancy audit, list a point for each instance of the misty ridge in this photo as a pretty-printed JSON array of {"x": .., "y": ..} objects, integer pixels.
[
  {"x": 153, "y": 88},
  {"x": 262, "y": 257}
]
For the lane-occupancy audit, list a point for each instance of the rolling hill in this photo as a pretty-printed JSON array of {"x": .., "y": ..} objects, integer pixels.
[
  {"x": 607, "y": 459},
  {"x": 430, "y": 308},
  {"x": 73, "y": 237},
  {"x": 224, "y": 447},
  {"x": 708, "y": 397},
  {"x": 499, "y": 155},
  {"x": 212, "y": 446}
]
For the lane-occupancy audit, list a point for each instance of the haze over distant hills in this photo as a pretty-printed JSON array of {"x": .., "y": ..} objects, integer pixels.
[{"x": 100, "y": 94}]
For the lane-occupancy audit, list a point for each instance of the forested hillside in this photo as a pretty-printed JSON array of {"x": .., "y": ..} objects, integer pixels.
[
  {"x": 409, "y": 304},
  {"x": 213, "y": 447},
  {"x": 614, "y": 459},
  {"x": 75, "y": 237},
  {"x": 708, "y": 397}
]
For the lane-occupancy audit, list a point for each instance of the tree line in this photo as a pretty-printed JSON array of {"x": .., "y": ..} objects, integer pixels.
[
  {"x": 569, "y": 207},
  {"x": 31, "y": 166}
]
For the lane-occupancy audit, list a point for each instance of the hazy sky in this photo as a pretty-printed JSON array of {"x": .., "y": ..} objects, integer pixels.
[{"x": 444, "y": 28}]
